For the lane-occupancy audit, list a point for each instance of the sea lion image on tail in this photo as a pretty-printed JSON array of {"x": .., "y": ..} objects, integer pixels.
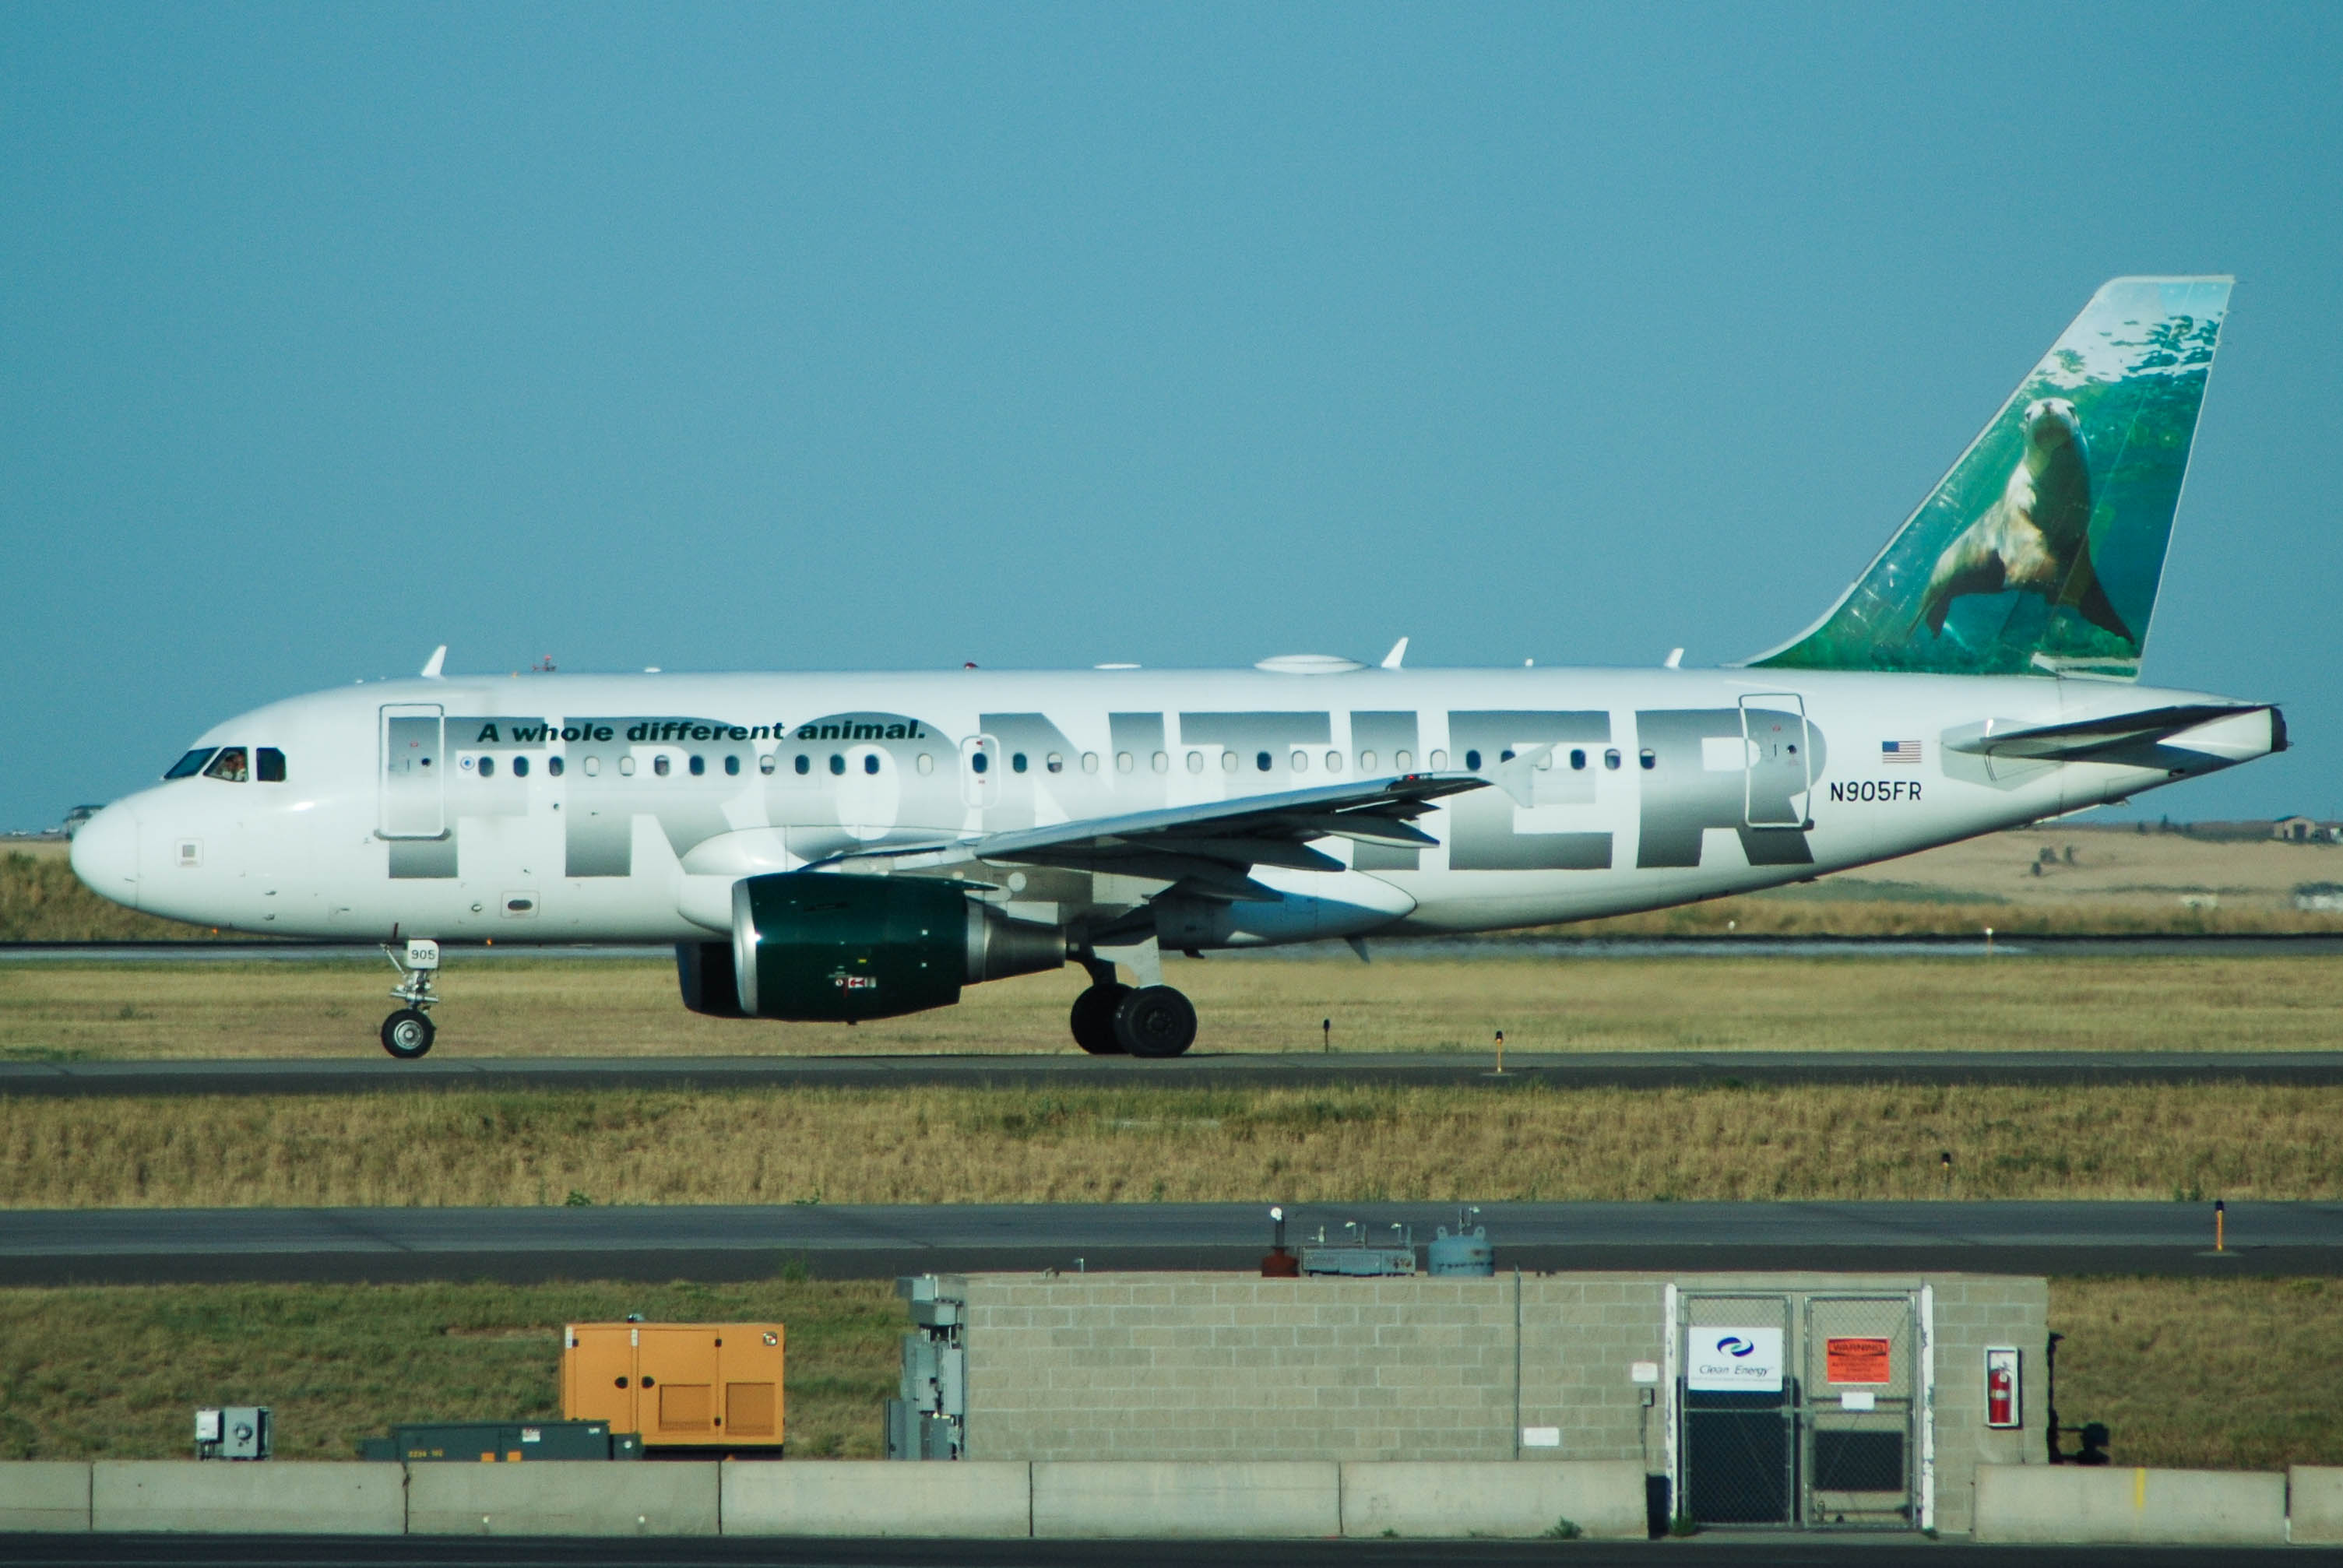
[{"x": 2036, "y": 537}]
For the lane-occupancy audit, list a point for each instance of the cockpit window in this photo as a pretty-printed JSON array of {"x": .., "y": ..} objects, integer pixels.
[
  {"x": 271, "y": 765},
  {"x": 190, "y": 765},
  {"x": 229, "y": 765}
]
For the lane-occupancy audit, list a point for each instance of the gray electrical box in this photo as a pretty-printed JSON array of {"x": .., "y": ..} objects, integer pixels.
[
  {"x": 232, "y": 1432},
  {"x": 927, "y": 1421}
]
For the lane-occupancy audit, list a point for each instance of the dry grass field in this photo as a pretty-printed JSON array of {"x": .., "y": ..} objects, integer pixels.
[
  {"x": 567, "y": 1007},
  {"x": 2235, "y": 1373},
  {"x": 940, "y": 1145}
]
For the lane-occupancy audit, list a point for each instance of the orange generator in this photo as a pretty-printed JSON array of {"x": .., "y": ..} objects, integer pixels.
[{"x": 700, "y": 1386}]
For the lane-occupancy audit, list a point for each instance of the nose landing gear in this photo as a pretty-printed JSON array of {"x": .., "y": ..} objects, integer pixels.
[{"x": 408, "y": 1033}]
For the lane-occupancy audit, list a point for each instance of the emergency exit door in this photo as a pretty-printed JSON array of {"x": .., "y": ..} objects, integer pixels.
[
  {"x": 1780, "y": 767},
  {"x": 413, "y": 769}
]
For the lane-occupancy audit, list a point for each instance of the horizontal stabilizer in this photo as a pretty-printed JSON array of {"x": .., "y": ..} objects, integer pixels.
[{"x": 2083, "y": 740}]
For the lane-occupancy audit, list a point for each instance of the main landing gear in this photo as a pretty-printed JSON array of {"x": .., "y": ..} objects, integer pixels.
[
  {"x": 1112, "y": 1018},
  {"x": 408, "y": 1033}
]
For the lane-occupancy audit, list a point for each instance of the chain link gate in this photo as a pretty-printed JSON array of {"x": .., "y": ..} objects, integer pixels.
[{"x": 1799, "y": 1409}]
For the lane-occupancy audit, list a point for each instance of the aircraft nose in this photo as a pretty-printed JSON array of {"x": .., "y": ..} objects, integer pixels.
[{"x": 105, "y": 855}]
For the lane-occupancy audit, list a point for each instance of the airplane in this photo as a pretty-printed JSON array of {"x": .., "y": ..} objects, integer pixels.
[{"x": 847, "y": 846}]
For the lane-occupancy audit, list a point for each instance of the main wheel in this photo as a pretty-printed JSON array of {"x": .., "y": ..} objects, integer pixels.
[
  {"x": 406, "y": 1034},
  {"x": 1094, "y": 1019},
  {"x": 1155, "y": 1020}
]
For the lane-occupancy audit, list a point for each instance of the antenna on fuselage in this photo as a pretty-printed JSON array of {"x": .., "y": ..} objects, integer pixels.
[
  {"x": 431, "y": 666},
  {"x": 1675, "y": 659},
  {"x": 1392, "y": 660}
]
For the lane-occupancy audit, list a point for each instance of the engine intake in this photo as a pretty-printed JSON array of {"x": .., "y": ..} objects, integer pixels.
[{"x": 824, "y": 946}]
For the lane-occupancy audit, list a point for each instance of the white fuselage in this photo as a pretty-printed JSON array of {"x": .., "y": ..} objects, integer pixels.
[{"x": 564, "y": 808}]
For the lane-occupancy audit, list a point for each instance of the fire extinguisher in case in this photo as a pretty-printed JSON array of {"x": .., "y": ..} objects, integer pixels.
[{"x": 2004, "y": 1407}]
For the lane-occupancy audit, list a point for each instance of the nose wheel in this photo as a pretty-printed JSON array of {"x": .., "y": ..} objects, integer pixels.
[{"x": 408, "y": 1033}]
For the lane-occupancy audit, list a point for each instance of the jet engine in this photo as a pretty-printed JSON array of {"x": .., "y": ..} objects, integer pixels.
[{"x": 818, "y": 946}]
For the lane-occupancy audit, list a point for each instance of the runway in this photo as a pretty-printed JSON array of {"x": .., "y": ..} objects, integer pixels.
[
  {"x": 2282, "y": 944},
  {"x": 1576, "y": 1069},
  {"x": 864, "y": 1242}
]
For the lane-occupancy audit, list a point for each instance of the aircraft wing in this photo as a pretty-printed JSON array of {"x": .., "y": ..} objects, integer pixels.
[
  {"x": 2113, "y": 737},
  {"x": 1209, "y": 847}
]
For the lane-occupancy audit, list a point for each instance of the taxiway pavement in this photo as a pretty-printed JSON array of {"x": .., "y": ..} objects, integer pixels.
[{"x": 860, "y": 1240}]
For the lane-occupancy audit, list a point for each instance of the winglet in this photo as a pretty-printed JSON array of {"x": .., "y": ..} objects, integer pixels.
[
  {"x": 431, "y": 666},
  {"x": 1398, "y": 654}
]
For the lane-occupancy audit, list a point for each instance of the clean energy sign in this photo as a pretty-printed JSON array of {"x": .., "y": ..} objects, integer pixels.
[{"x": 1732, "y": 1360}]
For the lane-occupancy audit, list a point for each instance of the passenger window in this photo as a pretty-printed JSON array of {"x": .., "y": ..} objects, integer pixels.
[
  {"x": 1057, "y": 762},
  {"x": 766, "y": 763},
  {"x": 520, "y": 766},
  {"x": 488, "y": 767},
  {"x": 660, "y": 764},
  {"x": 1160, "y": 763},
  {"x": 1017, "y": 762},
  {"x": 272, "y": 764},
  {"x": 1089, "y": 761},
  {"x": 870, "y": 763},
  {"x": 1333, "y": 762},
  {"x": 698, "y": 766},
  {"x": 927, "y": 763},
  {"x": 229, "y": 765},
  {"x": 1650, "y": 760},
  {"x": 1195, "y": 762},
  {"x": 593, "y": 766},
  {"x": 1366, "y": 761},
  {"x": 804, "y": 763},
  {"x": 977, "y": 760},
  {"x": 1261, "y": 762},
  {"x": 555, "y": 766},
  {"x": 627, "y": 765},
  {"x": 731, "y": 766},
  {"x": 1472, "y": 761},
  {"x": 1578, "y": 761},
  {"x": 1403, "y": 761},
  {"x": 1124, "y": 762},
  {"x": 1228, "y": 762},
  {"x": 1301, "y": 762},
  {"x": 837, "y": 763},
  {"x": 1610, "y": 759},
  {"x": 1438, "y": 761},
  {"x": 190, "y": 765}
]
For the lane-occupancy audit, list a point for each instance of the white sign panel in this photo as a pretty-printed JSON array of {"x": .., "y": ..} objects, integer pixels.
[{"x": 1732, "y": 1360}]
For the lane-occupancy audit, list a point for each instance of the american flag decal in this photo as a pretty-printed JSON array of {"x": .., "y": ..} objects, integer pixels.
[{"x": 1900, "y": 753}]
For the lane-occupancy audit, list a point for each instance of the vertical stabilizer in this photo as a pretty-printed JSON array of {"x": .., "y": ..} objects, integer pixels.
[{"x": 2042, "y": 549}]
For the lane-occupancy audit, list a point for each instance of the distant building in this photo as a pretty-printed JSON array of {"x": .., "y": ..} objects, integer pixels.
[{"x": 2304, "y": 831}]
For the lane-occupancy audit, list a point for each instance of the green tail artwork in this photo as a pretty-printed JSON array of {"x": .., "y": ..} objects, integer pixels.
[{"x": 2040, "y": 552}]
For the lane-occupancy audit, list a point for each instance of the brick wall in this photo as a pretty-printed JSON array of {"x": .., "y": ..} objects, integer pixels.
[{"x": 1183, "y": 1366}]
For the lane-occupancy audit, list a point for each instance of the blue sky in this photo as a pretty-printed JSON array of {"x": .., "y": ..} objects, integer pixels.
[{"x": 728, "y": 337}]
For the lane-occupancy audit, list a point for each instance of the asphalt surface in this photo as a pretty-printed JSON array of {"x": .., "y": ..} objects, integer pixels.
[
  {"x": 2305, "y": 944},
  {"x": 56, "y": 1246},
  {"x": 1578, "y": 1069},
  {"x": 1837, "y": 1551}
]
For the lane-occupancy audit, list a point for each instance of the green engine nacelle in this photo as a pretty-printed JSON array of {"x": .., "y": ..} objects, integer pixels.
[{"x": 819, "y": 945}]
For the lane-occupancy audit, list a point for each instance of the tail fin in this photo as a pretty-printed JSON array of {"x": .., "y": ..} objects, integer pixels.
[{"x": 2042, "y": 549}]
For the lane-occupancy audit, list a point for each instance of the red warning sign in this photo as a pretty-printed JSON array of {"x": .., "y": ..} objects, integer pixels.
[{"x": 1855, "y": 1360}]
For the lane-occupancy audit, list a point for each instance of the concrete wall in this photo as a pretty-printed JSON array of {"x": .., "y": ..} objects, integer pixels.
[
  {"x": 1190, "y": 1368},
  {"x": 874, "y": 1497},
  {"x": 1974, "y": 1310},
  {"x": 2068, "y": 1502},
  {"x": 554, "y": 1497},
  {"x": 277, "y": 1497},
  {"x": 2314, "y": 1505},
  {"x": 1601, "y": 1500},
  {"x": 41, "y": 1495},
  {"x": 1263, "y": 1501}
]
